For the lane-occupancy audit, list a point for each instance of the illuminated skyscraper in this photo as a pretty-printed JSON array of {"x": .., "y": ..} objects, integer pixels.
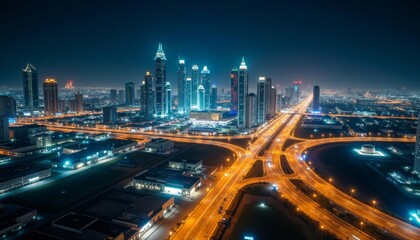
[
  {"x": 417, "y": 151},
  {"x": 168, "y": 99},
  {"x": 201, "y": 98},
  {"x": 296, "y": 91},
  {"x": 242, "y": 93},
  {"x": 50, "y": 87},
  {"x": 181, "y": 75},
  {"x": 234, "y": 90},
  {"x": 205, "y": 81},
  {"x": 129, "y": 93},
  {"x": 30, "y": 87},
  {"x": 315, "y": 99},
  {"x": 195, "y": 81},
  {"x": 188, "y": 94},
  {"x": 261, "y": 98},
  {"x": 148, "y": 92},
  {"x": 213, "y": 97},
  {"x": 160, "y": 75},
  {"x": 271, "y": 102},
  {"x": 79, "y": 102}
]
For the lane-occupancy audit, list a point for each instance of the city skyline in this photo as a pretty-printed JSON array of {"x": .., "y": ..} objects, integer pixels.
[{"x": 327, "y": 44}]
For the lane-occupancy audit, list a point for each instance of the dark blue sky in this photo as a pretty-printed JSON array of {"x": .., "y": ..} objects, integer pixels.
[{"x": 372, "y": 44}]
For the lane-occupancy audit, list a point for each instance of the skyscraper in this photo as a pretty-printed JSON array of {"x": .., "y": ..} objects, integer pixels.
[
  {"x": 30, "y": 87},
  {"x": 188, "y": 94},
  {"x": 195, "y": 81},
  {"x": 50, "y": 87},
  {"x": 234, "y": 90},
  {"x": 251, "y": 110},
  {"x": 213, "y": 97},
  {"x": 201, "y": 98},
  {"x": 160, "y": 75},
  {"x": 296, "y": 91},
  {"x": 79, "y": 102},
  {"x": 242, "y": 92},
  {"x": 113, "y": 96},
  {"x": 205, "y": 81},
  {"x": 121, "y": 97},
  {"x": 417, "y": 150},
  {"x": 168, "y": 99},
  {"x": 261, "y": 97},
  {"x": 315, "y": 99},
  {"x": 129, "y": 93},
  {"x": 4, "y": 129},
  {"x": 271, "y": 103},
  {"x": 142, "y": 96},
  {"x": 181, "y": 75},
  {"x": 109, "y": 114},
  {"x": 7, "y": 106},
  {"x": 149, "y": 100}
]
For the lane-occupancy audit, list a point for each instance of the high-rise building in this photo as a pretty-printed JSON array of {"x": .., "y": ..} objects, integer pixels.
[
  {"x": 69, "y": 85},
  {"x": 168, "y": 99},
  {"x": 251, "y": 110},
  {"x": 61, "y": 105},
  {"x": 109, "y": 114},
  {"x": 113, "y": 96},
  {"x": 261, "y": 97},
  {"x": 50, "y": 87},
  {"x": 181, "y": 78},
  {"x": 160, "y": 75},
  {"x": 7, "y": 106},
  {"x": 213, "y": 97},
  {"x": 129, "y": 93},
  {"x": 296, "y": 91},
  {"x": 4, "y": 129},
  {"x": 234, "y": 90},
  {"x": 205, "y": 81},
  {"x": 195, "y": 81},
  {"x": 271, "y": 103},
  {"x": 417, "y": 150},
  {"x": 188, "y": 94},
  {"x": 79, "y": 102},
  {"x": 201, "y": 98},
  {"x": 279, "y": 102},
  {"x": 142, "y": 96},
  {"x": 315, "y": 99},
  {"x": 242, "y": 92},
  {"x": 30, "y": 87},
  {"x": 149, "y": 100},
  {"x": 121, "y": 97}
]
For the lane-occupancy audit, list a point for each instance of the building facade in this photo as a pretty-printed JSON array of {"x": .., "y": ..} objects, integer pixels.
[
  {"x": 417, "y": 150},
  {"x": 160, "y": 75},
  {"x": 168, "y": 99},
  {"x": 251, "y": 110},
  {"x": 30, "y": 87},
  {"x": 181, "y": 78},
  {"x": 205, "y": 82},
  {"x": 315, "y": 99},
  {"x": 129, "y": 93},
  {"x": 261, "y": 97},
  {"x": 213, "y": 97},
  {"x": 234, "y": 90},
  {"x": 188, "y": 94},
  {"x": 149, "y": 100},
  {"x": 79, "y": 102},
  {"x": 201, "y": 98},
  {"x": 195, "y": 82},
  {"x": 109, "y": 114},
  {"x": 50, "y": 88},
  {"x": 7, "y": 106},
  {"x": 242, "y": 92}
]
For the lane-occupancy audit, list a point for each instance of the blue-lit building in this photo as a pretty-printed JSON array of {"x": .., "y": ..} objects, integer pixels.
[
  {"x": 242, "y": 93},
  {"x": 168, "y": 99},
  {"x": 234, "y": 90},
  {"x": 181, "y": 78},
  {"x": 160, "y": 75},
  {"x": 201, "y": 98},
  {"x": 261, "y": 98},
  {"x": 129, "y": 93},
  {"x": 315, "y": 99},
  {"x": 195, "y": 82},
  {"x": 205, "y": 82}
]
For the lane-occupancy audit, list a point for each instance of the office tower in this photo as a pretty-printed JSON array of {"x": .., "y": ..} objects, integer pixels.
[
  {"x": 315, "y": 99},
  {"x": 296, "y": 91},
  {"x": 129, "y": 93},
  {"x": 201, "y": 98},
  {"x": 261, "y": 88},
  {"x": 30, "y": 87},
  {"x": 109, "y": 114},
  {"x": 61, "y": 105},
  {"x": 143, "y": 96},
  {"x": 213, "y": 97},
  {"x": 242, "y": 92},
  {"x": 50, "y": 87},
  {"x": 121, "y": 97},
  {"x": 168, "y": 99},
  {"x": 289, "y": 92},
  {"x": 279, "y": 102},
  {"x": 205, "y": 81},
  {"x": 188, "y": 94},
  {"x": 4, "y": 129},
  {"x": 181, "y": 75},
  {"x": 251, "y": 110},
  {"x": 113, "y": 96},
  {"x": 234, "y": 90},
  {"x": 72, "y": 105},
  {"x": 7, "y": 106},
  {"x": 417, "y": 150},
  {"x": 160, "y": 75},
  {"x": 268, "y": 107},
  {"x": 149, "y": 100},
  {"x": 271, "y": 103},
  {"x": 79, "y": 102},
  {"x": 195, "y": 81}
]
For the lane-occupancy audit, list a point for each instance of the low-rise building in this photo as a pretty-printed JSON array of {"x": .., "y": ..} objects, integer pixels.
[
  {"x": 17, "y": 175},
  {"x": 13, "y": 218},
  {"x": 192, "y": 165},
  {"x": 159, "y": 145}
]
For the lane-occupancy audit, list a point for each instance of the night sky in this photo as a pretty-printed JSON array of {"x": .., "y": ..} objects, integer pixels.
[{"x": 337, "y": 44}]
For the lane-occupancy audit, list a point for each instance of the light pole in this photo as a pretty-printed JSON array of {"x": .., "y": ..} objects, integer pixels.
[
  {"x": 361, "y": 226},
  {"x": 330, "y": 180},
  {"x": 352, "y": 192},
  {"x": 373, "y": 205}
]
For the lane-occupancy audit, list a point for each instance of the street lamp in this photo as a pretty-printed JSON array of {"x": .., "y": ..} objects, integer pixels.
[
  {"x": 361, "y": 225},
  {"x": 330, "y": 180},
  {"x": 352, "y": 192},
  {"x": 373, "y": 204}
]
